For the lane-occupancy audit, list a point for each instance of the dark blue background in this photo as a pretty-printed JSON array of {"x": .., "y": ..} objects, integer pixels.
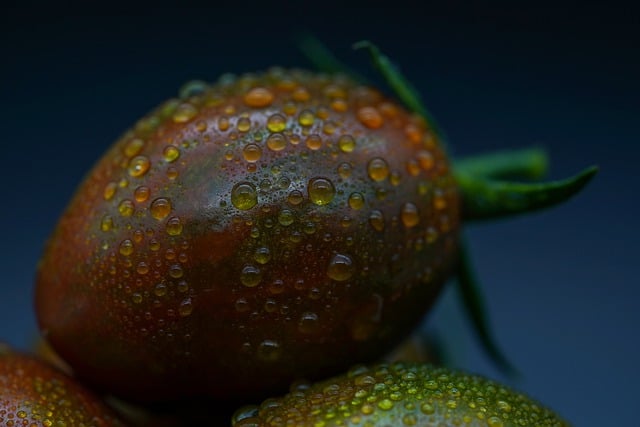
[{"x": 561, "y": 285}]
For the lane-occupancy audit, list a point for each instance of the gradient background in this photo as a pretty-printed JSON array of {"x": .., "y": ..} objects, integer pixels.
[{"x": 561, "y": 285}]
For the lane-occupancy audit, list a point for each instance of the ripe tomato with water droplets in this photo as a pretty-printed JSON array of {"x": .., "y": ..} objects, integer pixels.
[
  {"x": 249, "y": 232},
  {"x": 34, "y": 394}
]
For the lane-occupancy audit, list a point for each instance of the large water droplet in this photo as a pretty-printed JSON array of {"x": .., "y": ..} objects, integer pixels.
[
  {"x": 138, "y": 166},
  {"x": 321, "y": 191},
  {"x": 340, "y": 268},
  {"x": 378, "y": 169},
  {"x": 160, "y": 208},
  {"x": 250, "y": 276},
  {"x": 370, "y": 117},
  {"x": 269, "y": 350},
  {"x": 276, "y": 142},
  {"x": 258, "y": 97},
  {"x": 244, "y": 196},
  {"x": 276, "y": 123},
  {"x": 252, "y": 152},
  {"x": 409, "y": 215},
  {"x": 170, "y": 153}
]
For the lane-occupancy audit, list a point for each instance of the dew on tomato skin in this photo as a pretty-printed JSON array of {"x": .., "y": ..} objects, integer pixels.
[
  {"x": 170, "y": 153},
  {"x": 276, "y": 142},
  {"x": 107, "y": 223},
  {"x": 110, "y": 191},
  {"x": 308, "y": 323},
  {"x": 258, "y": 97},
  {"x": 223, "y": 123},
  {"x": 252, "y": 152},
  {"x": 276, "y": 287},
  {"x": 136, "y": 297},
  {"x": 184, "y": 113},
  {"x": 344, "y": 170},
  {"x": 370, "y": 117},
  {"x": 306, "y": 118},
  {"x": 321, "y": 191},
  {"x": 262, "y": 255},
  {"x": 269, "y": 350},
  {"x": 346, "y": 143},
  {"x": 376, "y": 219},
  {"x": 378, "y": 169},
  {"x": 244, "y": 195},
  {"x": 186, "y": 307},
  {"x": 160, "y": 208},
  {"x": 142, "y": 268},
  {"x": 174, "y": 226},
  {"x": 141, "y": 193},
  {"x": 139, "y": 166},
  {"x": 314, "y": 142},
  {"x": 340, "y": 267},
  {"x": 160, "y": 290},
  {"x": 250, "y": 276},
  {"x": 276, "y": 123},
  {"x": 295, "y": 197},
  {"x": 300, "y": 94},
  {"x": 413, "y": 168},
  {"x": 409, "y": 215},
  {"x": 286, "y": 217},
  {"x": 426, "y": 160},
  {"x": 243, "y": 124},
  {"x": 126, "y": 208},
  {"x": 176, "y": 271},
  {"x": 126, "y": 247},
  {"x": 133, "y": 147},
  {"x": 356, "y": 201},
  {"x": 172, "y": 173}
]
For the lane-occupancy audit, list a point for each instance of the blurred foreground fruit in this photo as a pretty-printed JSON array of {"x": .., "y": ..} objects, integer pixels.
[
  {"x": 34, "y": 394},
  {"x": 265, "y": 228},
  {"x": 399, "y": 394}
]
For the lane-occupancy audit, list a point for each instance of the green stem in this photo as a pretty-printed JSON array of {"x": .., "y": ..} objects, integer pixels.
[
  {"x": 529, "y": 163},
  {"x": 323, "y": 59},
  {"x": 484, "y": 198}
]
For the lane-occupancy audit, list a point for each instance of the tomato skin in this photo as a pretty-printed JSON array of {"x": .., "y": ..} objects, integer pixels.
[
  {"x": 286, "y": 223},
  {"x": 399, "y": 394},
  {"x": 35, "y": 394}
]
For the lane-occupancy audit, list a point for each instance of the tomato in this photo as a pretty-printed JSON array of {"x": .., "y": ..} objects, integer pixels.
[{"x": 270, "y": 226}]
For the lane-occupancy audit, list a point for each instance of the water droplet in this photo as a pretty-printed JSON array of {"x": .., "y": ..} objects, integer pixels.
[
  {"x": 321, "y": 191},
  {"x": 306, "y": 118},
  {"x": 250, "y": 276},
  {"x": 376, "y": 219},
  {"x": 138, "y": 166},
  {"x": 339, "y": 105},
  {"x": 126, "y": 247},
  {"x": 395, "y": 178},
  {"x": 262, "y": 255},
  {"x": 172, "y": 173},
  {"x": 241, "y": 305},
  {"x": 243, "y": 124},
  {"x": 344, "y": 170},
  {"x": 413, "y": 168},
  {"x": 276, "y": 142},
  {"x": 385, "y": 404},
  {"x": 184, "y": 113},
  {"x": 286, "y": 217},
  {"x": 314, "y": 142},
  {"x": 276, "y": 123},
  {"x": 295, "y": 197},
  {"x": 142, "y": 268},
  {"x": 244, "y": 196},
  {"x": 160, "y": 290},
  {"x": 269, "y": 350},
  {"x": 133, "y": 147},
  {"x": 409, "y": 215},
  {"x": 110, "y": 190},
  {"x": 160, "y": 208},
  {"x": 126, "y": 208},
  {"x": 182, "y": 286},
  {"x": 370, "y": 117},
  {"x": 301, "y": 94},
  {"x": 176, "y": 271},
  {"x": 258, "y": 97},
  {"x": 223, "y": 123},
  {"x": 410, "y": 420},
  {"x": 192, "y": 88},
  {"x": 356, "y": 201},
  {"x": 136, "y": 298},
  {"x": 252, "y": 153},
  {"x": 174, "y": 226},
  {"x": 425, "y": 159},
  {"x": 427, "y": 408},
  {"x": 170, "y": 153},
  {"x": 107, "y": 223},
  {"x": 340, "y": 268},
  {"x": 308, "y": 323},
  {"x": 378, "y": 169},
  {"x": 141, "y": 193},
  {"x": 346, "y": 143},
  {"x": 186, "y": 307}
]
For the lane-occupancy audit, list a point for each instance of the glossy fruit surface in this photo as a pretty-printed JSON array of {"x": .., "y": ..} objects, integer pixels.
[
  {"x": 399, "y": 394},
  {"x": 34, "y": 394},
  {"x": 267, "y": 227}
]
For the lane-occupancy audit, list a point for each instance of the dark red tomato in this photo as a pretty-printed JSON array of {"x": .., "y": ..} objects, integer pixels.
[
  {"x": 264, "y": 228},
  {"x": 34, "y": 394}
]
